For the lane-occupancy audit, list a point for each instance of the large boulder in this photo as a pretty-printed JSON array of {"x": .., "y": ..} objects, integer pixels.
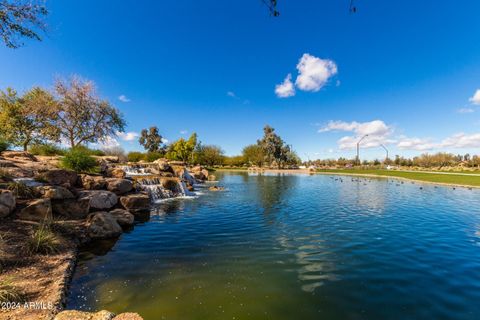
[
  {"x": 100, "y": 199},
  {"x": 119, "y": 186},
  {"x": 60, "y": 177},
  {"x": 170, "y": 183},
  {"x": 117, "y": 173},
  {"x": 7, "y": 203},
  {"x": 76, "y": 209},
  {"x": 54, "y": 192},
  {"x": 136, "y": 202},
  {"x": 123, "y": 217},
  {"x": 102, "y": 225},
  {"x": 19, "y": 155},
  {"x": 200, "y": 173},
  {"x": 37, "y": 210},
  {"x": 82, "y": 315},
  {"x": 163, "y": 165},
  {"x": 93, "y": 182}
]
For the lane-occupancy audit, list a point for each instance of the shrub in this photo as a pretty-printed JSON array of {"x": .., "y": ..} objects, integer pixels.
[
  {"x": 152, "y": 156},
  {"x": 21, "y": 190},
  {"x": 9, "y": 293},
  {"x": 78, "y": 160},
  {"x": 135, "y": 156},
  {"x": 43, "y": 240},
  {"x": 46, "y": 150},
  {"x": 90, "y": 152},
  {"x": 4, "y": 145}
]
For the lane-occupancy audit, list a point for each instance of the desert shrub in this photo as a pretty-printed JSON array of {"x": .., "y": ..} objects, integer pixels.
[
  {"x": 152, "y": 156},
  {"x": 21, "y": 190},
  {"x": 135, "y": 156},
  {"x": 46, "y": 150},
  {"x": 90, "y": 152},
  {"x": 10, "y": 293},
  {"x": 78, "y": 160},
  {"x": 43, "y": 240},
  {"x": 3, "y": 145}
]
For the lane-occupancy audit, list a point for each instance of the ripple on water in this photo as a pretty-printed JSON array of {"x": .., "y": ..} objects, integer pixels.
[{"x": 291, "y": 246}]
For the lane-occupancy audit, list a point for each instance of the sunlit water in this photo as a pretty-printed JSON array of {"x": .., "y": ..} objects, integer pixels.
[{"x": 295, "y": 247}]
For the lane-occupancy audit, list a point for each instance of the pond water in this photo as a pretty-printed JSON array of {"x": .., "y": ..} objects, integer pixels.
[{"x": 295, "y": 247}]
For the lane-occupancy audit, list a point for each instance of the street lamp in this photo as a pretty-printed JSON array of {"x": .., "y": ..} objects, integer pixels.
[
  {"x": 386, "y": 150},
  {"x": 358, "y": 147}
]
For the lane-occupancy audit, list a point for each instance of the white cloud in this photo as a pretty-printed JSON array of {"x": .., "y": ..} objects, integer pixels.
[
  {"x": 183, "y": 132},
  {"x": 128, "y": 136},
  {"x": 313, "y": 72},
  {"x": 107, "y": 142},
  {"x": 465, "y": 110},
  {"x": 476, "y": 97},
  {"x": 231, "y": 94},
  {"x": 123, "y": 98},
  {"x": 286, "y": 88},
  {"x": 418, "y": 144},
  {"x": 462, "y": 140},
  {"x": 378, "y": 133},
  {"x": 164, "y": 140}
]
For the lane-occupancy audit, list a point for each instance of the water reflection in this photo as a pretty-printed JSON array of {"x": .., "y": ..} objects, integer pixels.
[{"x": 303, "y": 247}]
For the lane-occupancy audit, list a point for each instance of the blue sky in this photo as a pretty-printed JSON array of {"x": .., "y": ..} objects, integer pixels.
[{"x": 406, "y": 72}]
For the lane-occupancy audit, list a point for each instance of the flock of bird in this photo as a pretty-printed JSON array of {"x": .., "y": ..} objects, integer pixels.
[{"x": 365, "y": 181}]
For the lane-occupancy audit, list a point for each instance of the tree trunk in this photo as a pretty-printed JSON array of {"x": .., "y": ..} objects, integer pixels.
[{"x": 25, "y": 146}]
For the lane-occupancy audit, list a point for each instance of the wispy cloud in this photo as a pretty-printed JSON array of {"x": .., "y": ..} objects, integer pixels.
[
  {"x": 123, "y": 98},
  {"x": 465, "y": 110},
  {"x": 128, "y": 136},
  {"x": 378, "y": 133},
  {"x": 286, "y": 88},
  {"x": 183, "y": 132},
  {"x": 231, "y": 94},
  {"x": 475, "y": 99}
]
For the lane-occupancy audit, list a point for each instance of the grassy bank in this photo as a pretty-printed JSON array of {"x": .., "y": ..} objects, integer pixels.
[{"x": 441, "y": 178}]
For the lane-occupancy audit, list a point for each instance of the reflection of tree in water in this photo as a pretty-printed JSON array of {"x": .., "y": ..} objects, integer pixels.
[{"x": 273, "y": 190}]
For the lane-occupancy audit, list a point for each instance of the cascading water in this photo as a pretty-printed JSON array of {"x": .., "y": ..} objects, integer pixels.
[
  {"x": 137, "y": 170},
  {"x": 156, "y": 190}
]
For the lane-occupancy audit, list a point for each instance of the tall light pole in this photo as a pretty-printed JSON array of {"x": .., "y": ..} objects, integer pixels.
[
  {"x": 386, "y": 150},
  {"x": 358, "y": 147}
]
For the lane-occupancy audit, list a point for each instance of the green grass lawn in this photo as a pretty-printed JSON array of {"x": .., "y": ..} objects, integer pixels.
[{"x": 466, "y": 180}]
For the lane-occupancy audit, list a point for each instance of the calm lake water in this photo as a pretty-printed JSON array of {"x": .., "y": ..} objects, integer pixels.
[{"x": 295, "y": 247}]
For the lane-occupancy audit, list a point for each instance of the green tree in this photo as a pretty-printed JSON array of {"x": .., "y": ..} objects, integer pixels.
[
  {"x": 182, "y": 149},
  {"x": 151, "y": 140},
  {"x": 272, "y": 146},
  {"x": 253, "y": 154},
  {"x": 82, "y": 116},
  {"x": 29, "y": 118},
  {"x": 21, "y": 19},
  {"x": 209, "y": 155}
]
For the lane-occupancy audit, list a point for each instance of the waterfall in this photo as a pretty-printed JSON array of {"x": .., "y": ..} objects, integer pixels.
[
  {"x": 137, "y": 170},
  {"x": 155, "y": 189}
]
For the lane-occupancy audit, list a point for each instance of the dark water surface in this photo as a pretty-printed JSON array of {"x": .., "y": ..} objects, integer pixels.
[{"x": 295, "y": 247}]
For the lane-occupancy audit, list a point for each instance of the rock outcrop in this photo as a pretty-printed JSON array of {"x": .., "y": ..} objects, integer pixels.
[
  {"x": 92, "y": 182},
  {"x": 135, "y": 202},
  {"x": 123, "y": 217},
  {"x": 60, "y": 177},
  {"x": 7, "y": 203},
  {"x": 102, "y": 225},
  {"x": 119, "y": 186},
  {"x": 37, "y": 210},
  {"x": 54, "y": 192},
  {"x": 100, "y": 315},
  {"x": 100, "y": 199},
  {"x": 76, "y": 209}
]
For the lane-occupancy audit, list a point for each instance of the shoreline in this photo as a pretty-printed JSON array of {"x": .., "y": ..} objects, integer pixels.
[{"x": 369, "y": 175}]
